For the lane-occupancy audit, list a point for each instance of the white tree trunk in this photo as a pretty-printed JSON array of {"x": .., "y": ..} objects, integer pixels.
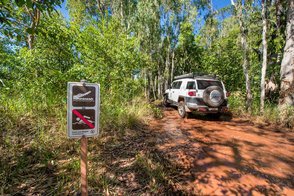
[
  {"x": 287, "y": 66},
  {"x": 145, "y": 83},
  {"x": 239, "y": 9},
  {"x": 30, "y": 40},
  {"x": 160, "y": 83},
  {"x": 264, "y": 56},
  {"x": 167, "y": 69},
  {"x": 173, "y": 67}
]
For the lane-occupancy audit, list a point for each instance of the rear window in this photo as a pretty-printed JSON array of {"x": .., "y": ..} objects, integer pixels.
[
  {"x": 191, "y": 85},
  {"x": 203, "y": 84}
]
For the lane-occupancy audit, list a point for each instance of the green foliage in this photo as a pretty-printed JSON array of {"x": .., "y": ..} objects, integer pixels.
[
  {"x": 188, "y": 53},
  {"x": 17, "y": 16},
  {"x": 112, "y": 44},
  {"x": 8, "y": 64},
  {"x": 120, "y": 116},
  {"x": 237, "y": 103},
  {"x": 223, "y": 57},
  {"x": 273, "y": 115},
  {"x": 108, "y": 56},
  {"x": 34, "y": 95}
]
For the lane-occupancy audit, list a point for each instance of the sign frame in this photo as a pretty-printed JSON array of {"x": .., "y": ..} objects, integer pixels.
[{"x": 79, "y": 133}]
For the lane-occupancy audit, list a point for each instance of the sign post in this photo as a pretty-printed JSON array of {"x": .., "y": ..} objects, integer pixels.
[
  {"x": 83, "y": 108},
  {"x": 84, "y": 166}
]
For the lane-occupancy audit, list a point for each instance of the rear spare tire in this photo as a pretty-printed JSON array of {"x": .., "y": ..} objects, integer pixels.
[{"x": 213, "y": 96}]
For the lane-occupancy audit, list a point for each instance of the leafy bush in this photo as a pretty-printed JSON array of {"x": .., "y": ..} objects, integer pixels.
[
  {"x": 237, "y": 103},
  {"x": 33, "y": 100},
  {"x": 286, "y": 116},
  {"x": 283, "y": 116}
]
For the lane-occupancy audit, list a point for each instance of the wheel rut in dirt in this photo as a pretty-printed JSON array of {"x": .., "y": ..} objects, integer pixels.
[{"x": 219, "y": 157}]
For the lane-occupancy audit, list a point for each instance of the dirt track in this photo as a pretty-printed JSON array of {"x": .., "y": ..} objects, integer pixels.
[{"x": 221, "y": 157}]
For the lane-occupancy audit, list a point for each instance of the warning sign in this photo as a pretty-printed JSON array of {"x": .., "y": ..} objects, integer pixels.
[
  {"x": 84, "y": 96},
  {"x": 83, "y": 109},
  {"x": 83, "y": 119}
]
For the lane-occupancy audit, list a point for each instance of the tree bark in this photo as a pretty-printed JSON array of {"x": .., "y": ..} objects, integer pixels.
[
  {"x": 167, "y": 68},
  {"x": 160, "y": 82},
  {"x": 264, "y": 55},
  {"x": 30, "y": 41},
  {"x": 287, "y": 66},
  {"x": 35, "y": 16},
  {"x": 152, "y": 86},
  {"x": 173, "y": 67},
  {"x": 148, "y": 85},
  {"x": 145, "y": 83},
  {"x": 279, "y": 10},
  {"x": 155, "y": 86},
  {"x": 101, "y": 7}
]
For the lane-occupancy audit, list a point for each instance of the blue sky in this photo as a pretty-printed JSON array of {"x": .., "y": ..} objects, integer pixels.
[
  {"x": 220, "y": 3},
  {"x": 63, "y": 10}
]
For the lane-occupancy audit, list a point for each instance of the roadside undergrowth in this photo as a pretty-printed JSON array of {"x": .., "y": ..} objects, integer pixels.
[
  {"x": 38, "y": 158},
  {"x": 274, "y": 115}
]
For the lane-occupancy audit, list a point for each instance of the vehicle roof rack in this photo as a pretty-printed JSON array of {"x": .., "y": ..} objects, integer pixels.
[{"x": 196, "y": 75}]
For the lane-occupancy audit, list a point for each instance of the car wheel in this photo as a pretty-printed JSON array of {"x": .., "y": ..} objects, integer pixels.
[
  {"x": 165, "y": 101},
  {"x": 181, "y": 109}
]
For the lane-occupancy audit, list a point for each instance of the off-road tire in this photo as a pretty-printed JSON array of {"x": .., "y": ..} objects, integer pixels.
[
  {"x": 206, "y": 96},
  {"x": 182, "y": 110},
  {"x": 165, "y": 101}
]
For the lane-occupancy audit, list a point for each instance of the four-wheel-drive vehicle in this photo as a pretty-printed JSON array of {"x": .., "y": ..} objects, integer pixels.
[{"x": 197, "y": 92}]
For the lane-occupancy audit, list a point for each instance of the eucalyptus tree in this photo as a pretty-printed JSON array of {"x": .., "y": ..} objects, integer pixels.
[
  {"x": 22, "y": 18},
  {"x": 147, "y": 29},
  {"x": 287, "y": 66},
  {"x": 77, "y": 12},
  {"x": 264, "y": 54},
  {"x": 276, "y": 25},
  {"x": 224, "y": 56},
  {"x": 125, "y": 11},
  {"x": 240, "y": 8},
  {"x": 172, "y": 18}
]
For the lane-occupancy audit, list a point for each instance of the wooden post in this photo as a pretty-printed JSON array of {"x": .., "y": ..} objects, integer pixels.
[{"x": 84, "y": 151}]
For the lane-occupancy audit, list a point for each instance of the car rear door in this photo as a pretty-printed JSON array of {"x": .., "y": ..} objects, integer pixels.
[
  {"x": 172, "y": 90},
  {"x": 202, "y": 84},
  {"x": 176, "y": 91}
]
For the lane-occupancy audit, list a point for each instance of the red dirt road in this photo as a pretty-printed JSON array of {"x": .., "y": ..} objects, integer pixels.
[{"x": 221, "y": 157}]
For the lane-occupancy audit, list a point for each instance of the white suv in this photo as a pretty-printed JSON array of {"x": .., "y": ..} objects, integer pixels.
[{"x": 197, "y": 92}]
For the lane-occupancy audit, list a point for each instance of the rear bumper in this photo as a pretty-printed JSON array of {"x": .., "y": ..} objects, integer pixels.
[{"x": 206, "y": 109}]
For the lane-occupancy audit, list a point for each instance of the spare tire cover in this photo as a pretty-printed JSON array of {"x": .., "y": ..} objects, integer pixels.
[{"x": 213, "y": 96}]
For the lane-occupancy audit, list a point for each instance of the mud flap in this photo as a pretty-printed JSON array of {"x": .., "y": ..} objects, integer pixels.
[{"x": 187, "y": 109}]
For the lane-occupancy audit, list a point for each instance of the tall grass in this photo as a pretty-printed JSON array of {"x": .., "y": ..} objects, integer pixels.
[
  {"x": 273, "y": 114},
  {"x": 34, "y": 144},
  {"x": 119, "y": 116}
]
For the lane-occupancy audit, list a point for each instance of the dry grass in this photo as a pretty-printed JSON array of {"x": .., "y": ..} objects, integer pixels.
[
  {"x": 38, "y": 158},
  {"x": 278, "y": 116}
]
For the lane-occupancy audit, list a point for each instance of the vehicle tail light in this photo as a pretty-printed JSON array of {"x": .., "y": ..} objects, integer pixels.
[
  {"x": 202, "y": 109},
  {"x": 228, "y": 94},
  {"x": 192, "y": 93}
]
